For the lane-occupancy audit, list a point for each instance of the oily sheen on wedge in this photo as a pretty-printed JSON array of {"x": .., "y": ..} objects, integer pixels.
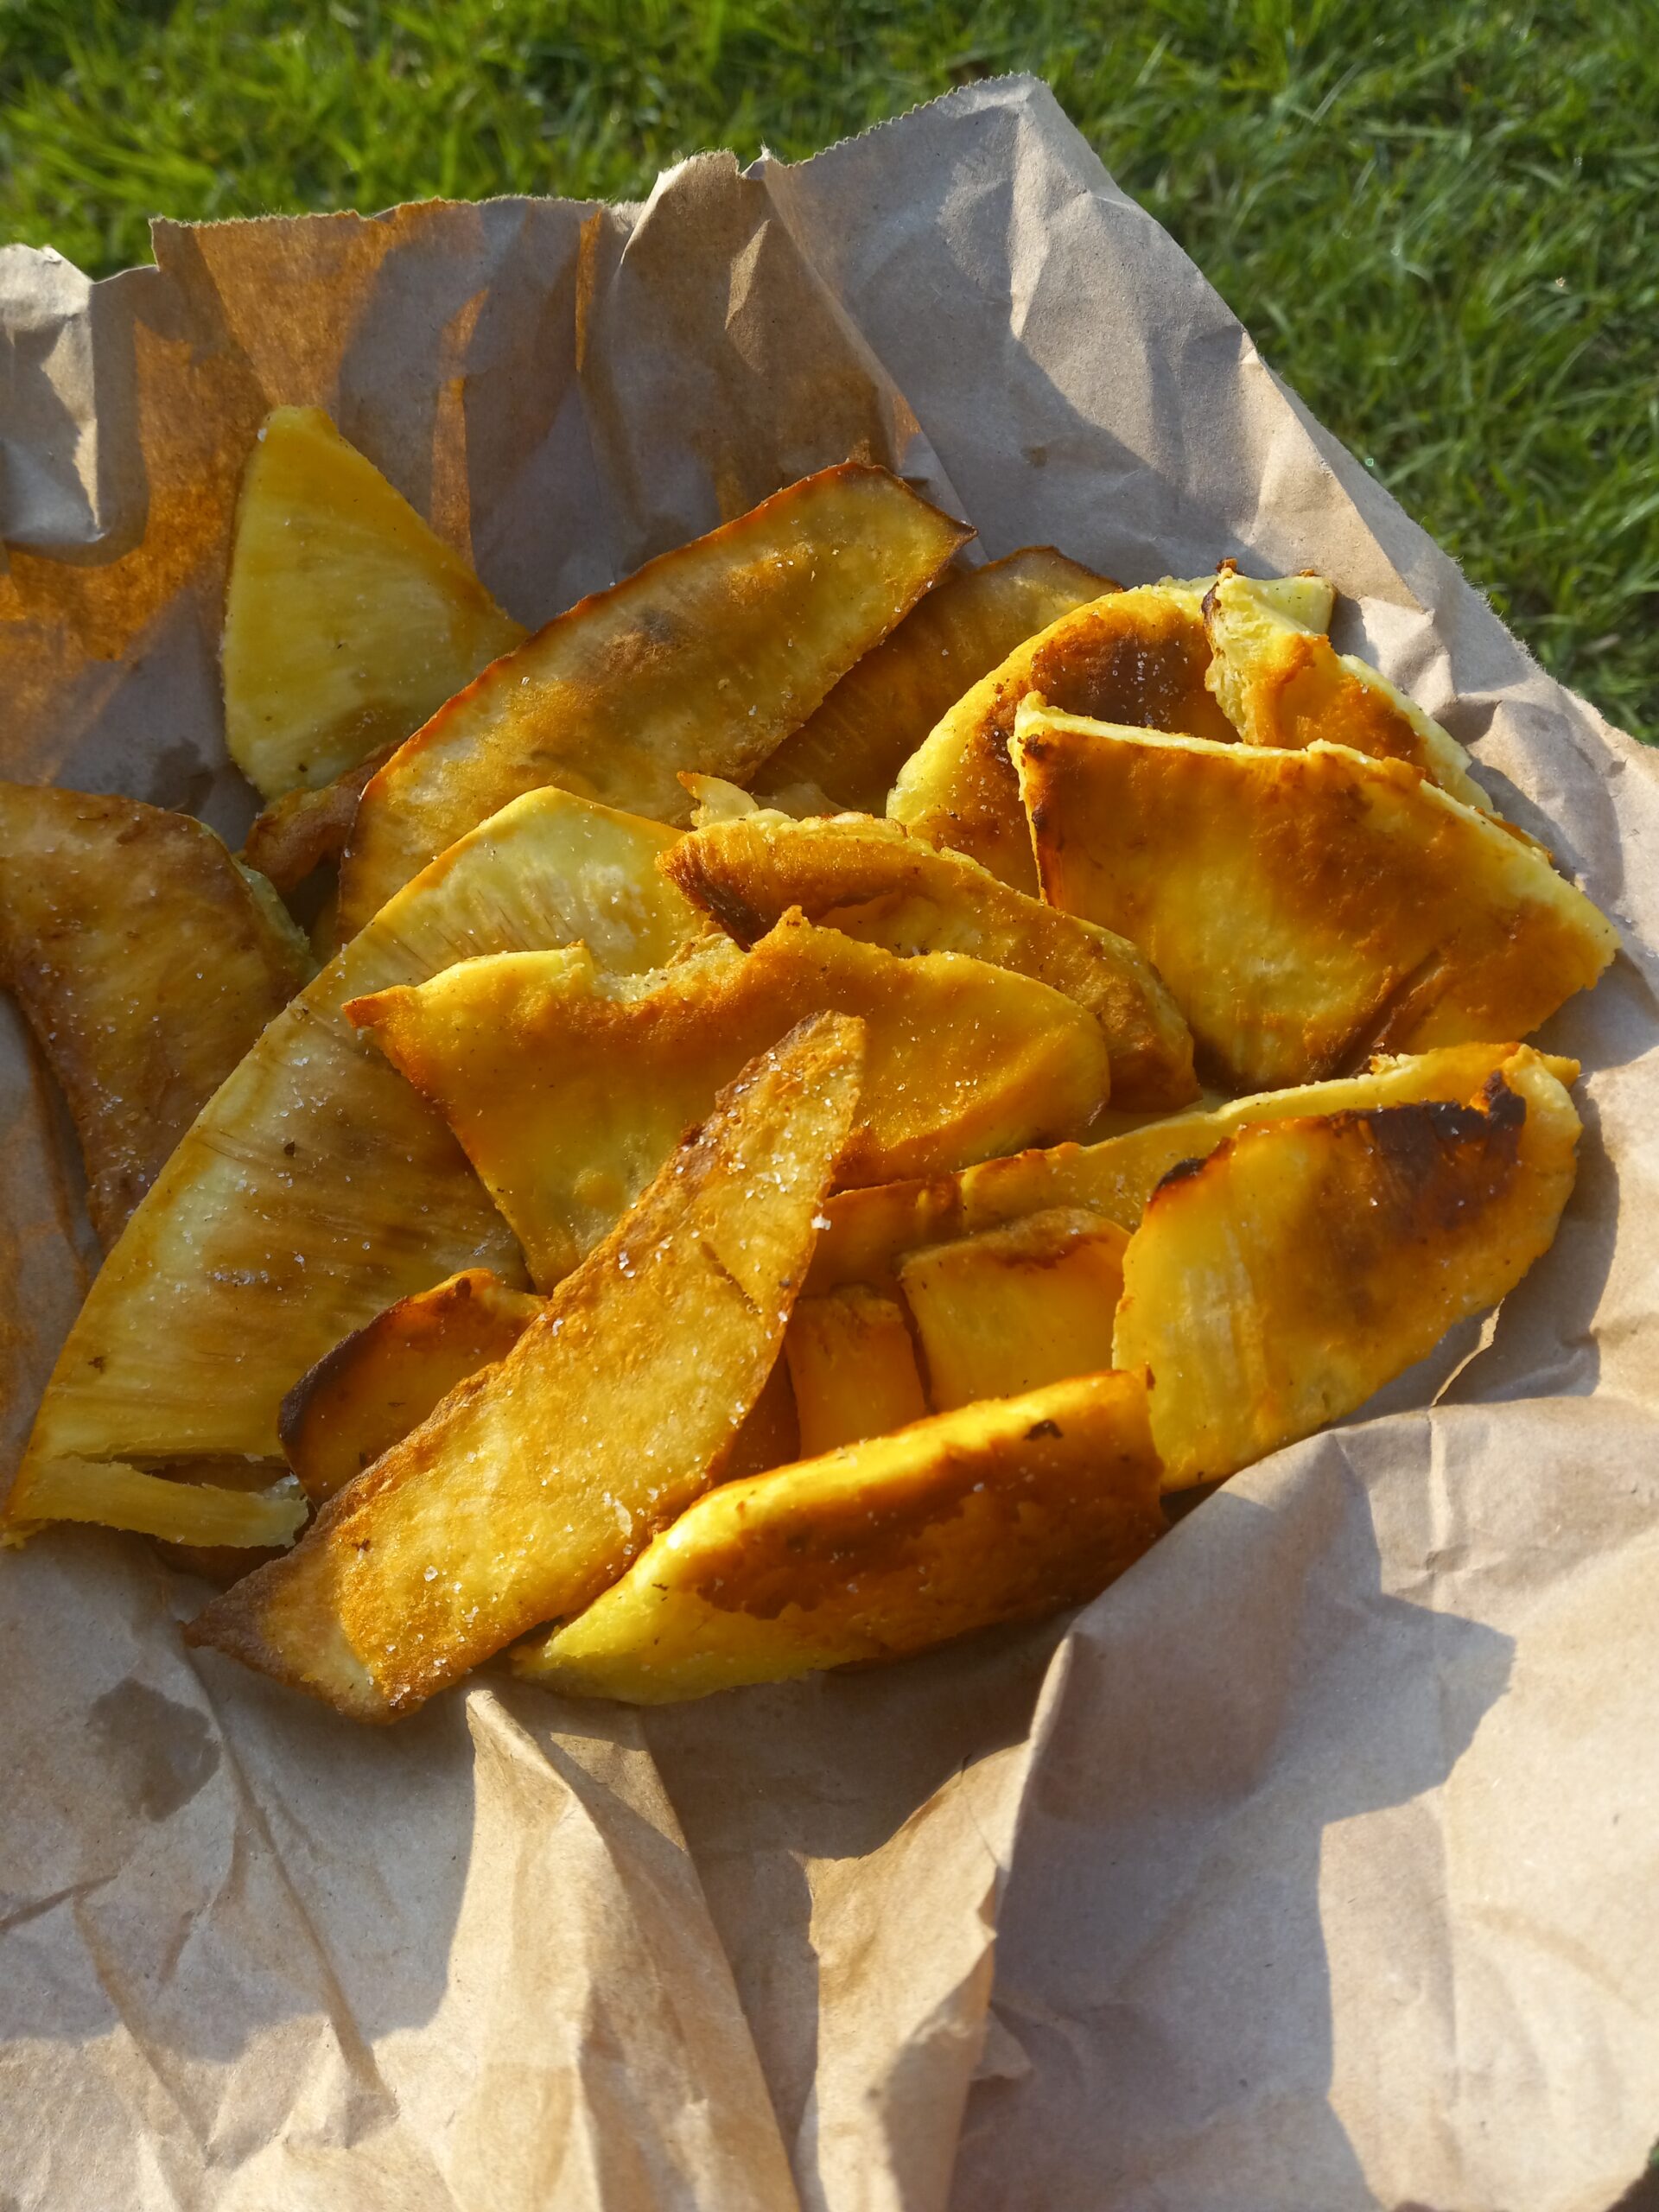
[
  {"x": 1273, "y": 1287},
  {"x": 875, "y": 881},
  {"x": 347, "y": 619},
  {"x": 568, "y": 1088},
  {"x": 859, "y": 739},
  {"x": 316, "y": 1187},
  {"x": 1135, "y": 657},
  {"x": 706, "y": 659},
  {"x": 533, "y": 1487},
  {"x": 146, "y": 962},
  {"x": 997, "y": 1512},
  {"x": 1304, "y": 908}
]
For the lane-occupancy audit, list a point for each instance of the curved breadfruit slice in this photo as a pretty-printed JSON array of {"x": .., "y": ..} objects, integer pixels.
[
  {"x": 1276, "y": 1286},
  {"x": 1281, "y": 681},
  {"x": 145, "y": 960},
  {"x": 569, "y": 1088},
  {"x": 856, "y": 744},
  {"x": 1135, "y": 657},
  {"x": 347, "y": 620},
  {"x": 874, "y": 882},
  {"x": 706, "y": 659},
  {"x": 532, "y": 1487},
  {"x": 316, "y": 1186},
  {"x": 998, "y": 1512},
  {"x": 1304, "y": 908}
]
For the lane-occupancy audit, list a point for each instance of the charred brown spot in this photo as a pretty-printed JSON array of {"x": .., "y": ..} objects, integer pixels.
[
  {"x": 1042, "y": 1428},
  {"x": 1182, "y": 1172}
]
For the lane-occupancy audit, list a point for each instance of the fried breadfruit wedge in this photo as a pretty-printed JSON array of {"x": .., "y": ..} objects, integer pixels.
[
  {"x": 875, "y": 881},
  {"x": 532, "y": 1487},
  {"x": 871, "y": 1229},
  {"x": 1280, "y": 681},
  {"x": 1137, "y": 657},
  {"x": 206, "y": 1517},
  {"x": 856, "y": 744},
  {"x": 852, "y": 1367},
  {"x": 1305, "y": 908},
  {"x": 347, "y": 620},
  {"x": 316, "y": 1187},
  {"x": 1275, "y": 1286},
  {"x": 705, "y": 659},
  {"x": 1000, "y": 1512},
  {"x": 145, "y": 962},
  {"x": 569, "y": 1088}
]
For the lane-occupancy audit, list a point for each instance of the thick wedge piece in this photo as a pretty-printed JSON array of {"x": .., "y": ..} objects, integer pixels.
[
  {"x": 1304, "y": 908},
  {"x": 856, "y": 744},
  {"x": 1279, "y": 680},
  {"x": 999, "y": 1512},
  {"x": 145, "y": 962},
  {"x": 316, "y": 1187},
  {"x": 875, "y": 881},
  {"x": 706, "y": 660},
  {"x": 1275, "y": 1286},
  {"x": 569, "y": 1088},
  {"x": 347, "y": 620},
  {"x": 852, "y": 1367},
  {"x": 1135, "y": 657},
  {"x": 532, "y": 1488}
]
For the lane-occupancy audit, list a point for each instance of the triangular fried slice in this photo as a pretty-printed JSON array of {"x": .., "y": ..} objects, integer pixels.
[
  {"x": 1282, "y": 682},
  {"x": 530, "y": 1489},
  {"x": 874, "y": 882},
  {"x": 347, "y": 620},
  {"x": 146, "y": 962},
  {"x": 1135, "y": 656},
  {"x": 856, "y": 744},
  {"x": 1304, "y": 1264},
  {"x": 568, "y": 1088},
  {"x": 706, "y": 659},
  {"x": 999, "y": 1512},
  {"x": 316, "y": 1187},
  {"x": 1304, "y": 908}
]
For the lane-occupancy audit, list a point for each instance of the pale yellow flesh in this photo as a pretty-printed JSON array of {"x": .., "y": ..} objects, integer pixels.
[
  {"x": 117, "y": 1497},
  {"x": 853, "y": 1369},
  {"x": 347, "y": 619},
  {"x": 992, "y": 1513}
]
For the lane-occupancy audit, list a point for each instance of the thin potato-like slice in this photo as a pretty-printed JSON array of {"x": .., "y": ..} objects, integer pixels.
[
  {"x": 1011, "y": 1309},
  {"x": 1304, "y": 908},
  {"x": 533, "y": 1486},
  {"x": 316, "y": 1187},
  {"x": 852, "y": 1367},
  {"x": 347, "y": 620},
  {"x": 198, "y": 1515},
  {"x": 999, "y": 1512},
  {"x": 1275, "y": 1286},
  {"x": 568, "y": 1088},
  {"x": 145, "y": 962},
  {"x": 706, "y": 659},
  {"x": 882, "y": 709},
  {"x": 1137, "y": 656},
  {"x": 874, "y": 882}
]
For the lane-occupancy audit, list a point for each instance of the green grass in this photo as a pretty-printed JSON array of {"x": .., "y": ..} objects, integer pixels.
[{"x": 1438, "y": 219}]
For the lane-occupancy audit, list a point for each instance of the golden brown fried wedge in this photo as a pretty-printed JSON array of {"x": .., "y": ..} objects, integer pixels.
[
  {"x": 199, "y": 1515},
  {"x": 146, "y": 964},
  {"x": 533, "y": 1486},
  {"x": 1279, "y": 680},
  {"x": 385, "y": 1378},
  {"x": 1135, "y": 657},
  {"x": 706, "y": 659},
  {"x": 568, "y": 1088},
  {"x": 316, "y": 1187},
  {"x": 882, "y": 709},
  {"x": 347, "y": 621},
  {"x": 869, "y": 1229},
  {"x": 874, "y": 882},
  {"x": 852, "y": 1367},
  {"x": 1011, "y": 1309},
  {"x": 305, "y": 829},
  {"x": 1304, "y": 908},
  {"x": 999, "y": 1512},
  {"x": 1275, "y": 1286}
]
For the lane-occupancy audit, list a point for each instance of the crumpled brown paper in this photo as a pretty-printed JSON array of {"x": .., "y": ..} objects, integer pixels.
[{"x": 1316, "y": 1864}]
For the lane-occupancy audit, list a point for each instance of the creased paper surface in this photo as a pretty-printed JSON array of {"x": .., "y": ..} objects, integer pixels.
[{"x": 1316, "y": 1863}]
